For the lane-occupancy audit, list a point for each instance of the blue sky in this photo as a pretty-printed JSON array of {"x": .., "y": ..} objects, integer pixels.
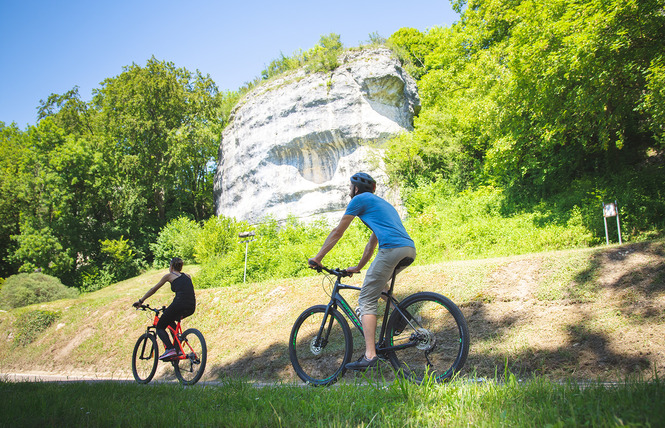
[{"x": 51, "y": 46}]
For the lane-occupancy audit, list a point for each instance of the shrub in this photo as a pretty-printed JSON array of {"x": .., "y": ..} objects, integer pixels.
[
  {"x": 119, "y": 259},
  {"x": 30, "y": 288},
  {"x": 218, "y": 237},
  {"x": 471, "y": 224},
  {"x": 93, "y": 278},
  {"x": 30, "y": 324},
  {"x": 177, "y": 238},
  {"x": 279, "y": 250},
  {"x": 324, "y": 56}
]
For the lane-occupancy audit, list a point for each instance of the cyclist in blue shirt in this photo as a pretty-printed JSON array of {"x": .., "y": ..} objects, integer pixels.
[{"x": 394, "y": 244}]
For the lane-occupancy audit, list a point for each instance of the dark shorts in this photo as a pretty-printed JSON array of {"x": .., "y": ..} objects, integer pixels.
[{"x": 175, "y": 312}]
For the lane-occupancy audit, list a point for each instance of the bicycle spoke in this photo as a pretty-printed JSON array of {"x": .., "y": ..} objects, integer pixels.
[
  {"x": 190, "y": 368},
  {"x": 144, "y": 358},
  {"x": 320, "y": 360},
  {"x": 438, "y": 331}
]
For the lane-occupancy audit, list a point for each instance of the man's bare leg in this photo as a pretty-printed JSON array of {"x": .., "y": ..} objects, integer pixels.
[{"x": 369, "y": 330}]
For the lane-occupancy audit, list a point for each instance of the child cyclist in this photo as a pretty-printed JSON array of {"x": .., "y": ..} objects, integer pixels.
[{"x": 183, "y": 304}]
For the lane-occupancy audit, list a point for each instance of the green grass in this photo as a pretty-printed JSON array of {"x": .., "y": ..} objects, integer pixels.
[{"x": 536, "y": 402}]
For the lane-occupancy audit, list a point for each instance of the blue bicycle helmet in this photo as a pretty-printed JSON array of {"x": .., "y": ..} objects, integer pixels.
[{"x": 364, "y": 182}]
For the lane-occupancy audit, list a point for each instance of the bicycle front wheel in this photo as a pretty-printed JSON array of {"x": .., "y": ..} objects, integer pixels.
[
  {"x": 144, "y": 358},
  {"x": 320, "y": 346},
  {"x": 189, "y": 369},
  {"x": 435, "y": 338}
]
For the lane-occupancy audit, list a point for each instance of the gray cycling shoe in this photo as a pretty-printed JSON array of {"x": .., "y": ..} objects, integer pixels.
[{"x": 363, "y": 363}]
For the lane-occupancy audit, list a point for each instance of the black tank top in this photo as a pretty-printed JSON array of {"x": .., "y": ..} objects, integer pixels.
[{"x": 184, "y": 289}]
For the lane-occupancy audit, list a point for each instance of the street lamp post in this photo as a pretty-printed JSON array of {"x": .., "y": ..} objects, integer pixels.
[{"x": 247, "y": 236}]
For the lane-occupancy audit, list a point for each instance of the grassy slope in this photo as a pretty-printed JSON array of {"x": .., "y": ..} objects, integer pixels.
[{"x": 593, "y": 313}]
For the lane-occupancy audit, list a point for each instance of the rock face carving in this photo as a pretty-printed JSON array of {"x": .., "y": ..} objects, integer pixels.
[{"x": 293, "y": 142}]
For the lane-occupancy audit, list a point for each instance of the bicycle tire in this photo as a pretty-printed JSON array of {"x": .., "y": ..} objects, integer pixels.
[
  {"x": 315, "y": 364},
  {"x": 440, "y": 332},
  {"x": 190, "y": 369},
  {"x": 145, "y": 358}
]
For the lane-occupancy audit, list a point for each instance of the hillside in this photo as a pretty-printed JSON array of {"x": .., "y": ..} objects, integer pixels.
[{"x": 582, "y": 314}]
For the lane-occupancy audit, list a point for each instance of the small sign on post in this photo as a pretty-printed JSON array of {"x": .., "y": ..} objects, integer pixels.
[{"x": 611, "y": 210}]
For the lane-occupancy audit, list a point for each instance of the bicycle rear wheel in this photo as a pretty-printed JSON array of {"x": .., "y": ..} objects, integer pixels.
[
  {"x": 320, "y": 359},
  {"x": 144, "y": 358},
  {"x": 189, "y": 369},
  {"x": 437, "y": 334}
]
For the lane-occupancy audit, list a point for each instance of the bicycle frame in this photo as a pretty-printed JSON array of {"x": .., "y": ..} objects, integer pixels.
[
  {"x": 338, "y": 301},
  {"x": 175, "y": 333}
]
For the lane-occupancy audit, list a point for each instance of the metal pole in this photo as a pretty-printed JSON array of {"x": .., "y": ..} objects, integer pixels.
[
  {"x": 618, "y": 226},
  {"x": 244, "y": 275},
  {"x": 607, "y": 237},
  {"x": 247, "y": 236}
]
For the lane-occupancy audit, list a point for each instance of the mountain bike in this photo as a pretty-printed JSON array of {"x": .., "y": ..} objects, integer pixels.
[
  {"x": 188, "y": 364},
  {"x": 423, "y": 336}
]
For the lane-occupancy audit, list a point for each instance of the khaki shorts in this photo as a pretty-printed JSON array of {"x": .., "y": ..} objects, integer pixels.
[{"x": 378, "y": 276}]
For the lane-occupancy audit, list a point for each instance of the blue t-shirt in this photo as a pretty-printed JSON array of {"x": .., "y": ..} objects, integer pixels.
[{"x": 382, "y": 218}]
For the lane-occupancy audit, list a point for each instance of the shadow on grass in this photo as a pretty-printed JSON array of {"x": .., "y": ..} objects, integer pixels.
[{"x": 590, "y": 348}]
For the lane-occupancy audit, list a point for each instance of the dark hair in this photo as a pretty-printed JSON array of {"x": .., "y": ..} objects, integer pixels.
[
  {"x": 176, "y": 263},
  {"x": 364, "y": 182}
]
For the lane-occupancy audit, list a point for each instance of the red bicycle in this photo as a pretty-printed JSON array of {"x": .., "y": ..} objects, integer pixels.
[{"x": 188, "y": 364}]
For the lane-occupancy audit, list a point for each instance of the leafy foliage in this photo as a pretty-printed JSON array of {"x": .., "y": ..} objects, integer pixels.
[
  {"x": 277, "y": 250},
  {"x": 118, "y": 258},
  {"x": 475, "y": 224},
  {"x": 533, "y": 113},
  {"x": 26, "y": 289},
  {"x": 532, "y": 97},
  {"x": 323, "y": 57},
  {"x": 91, "y": 173},
  {"x": 177, "y": 239},
  {"x": 39, "y": 249}
]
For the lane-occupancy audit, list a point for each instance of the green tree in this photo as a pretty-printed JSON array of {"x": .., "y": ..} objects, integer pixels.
[
  {"x": 69, "y": 112},
  {"x": 412, "y": 47},
  {"x": 654, "y": 99},
  {"x": 534, "y": 94},
  {"x": 140, "y": 153},
  {"x": 39, "y": 250},
  {"x": 13, "y": 150},
  {"x": 162, "y": 130},
  {"x": 577, "y": 77},
  {"x": 118, "y": 258},
  {"x": 56, "y": 199}
]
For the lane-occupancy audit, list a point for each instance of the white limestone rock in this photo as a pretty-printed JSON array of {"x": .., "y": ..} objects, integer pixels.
[{"x": 294, "y": 142}]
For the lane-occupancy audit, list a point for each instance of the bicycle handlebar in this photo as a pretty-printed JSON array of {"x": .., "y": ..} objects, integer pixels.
[
  {"x": 340, "y": 273},
  {"x": 147, "y": 307}
]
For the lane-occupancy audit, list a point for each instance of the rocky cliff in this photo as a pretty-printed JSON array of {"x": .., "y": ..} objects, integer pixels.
[{"x": 294, "y": 141}]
